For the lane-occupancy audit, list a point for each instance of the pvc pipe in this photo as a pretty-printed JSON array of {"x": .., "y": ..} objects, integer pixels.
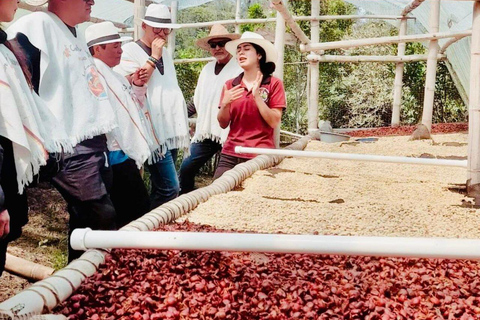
[
  {"x": 353, "y": 156},
  {"x": 442, "y": 248}
]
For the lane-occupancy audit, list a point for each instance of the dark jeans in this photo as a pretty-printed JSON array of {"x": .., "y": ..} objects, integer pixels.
[
  {"x": 164, "y": 180},
  {"x": 129, "y": 194},
  {"x": 200, "y": 153},
  {"x": 84, "y": 182},
  {"x": 15, "y": 203},
  {"x": 226, "y": 163}
]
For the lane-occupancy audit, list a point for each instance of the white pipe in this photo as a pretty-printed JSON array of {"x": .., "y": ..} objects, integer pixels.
[
  {"x": 352, "y": 156},
  {"x": 443, "y": 248}
]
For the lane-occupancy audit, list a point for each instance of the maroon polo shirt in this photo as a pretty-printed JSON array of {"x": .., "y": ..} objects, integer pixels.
[{"x": 247, "y": 126}]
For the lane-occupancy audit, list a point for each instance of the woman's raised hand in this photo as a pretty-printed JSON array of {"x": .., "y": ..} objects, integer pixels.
[{"x": 231, "y": 95}]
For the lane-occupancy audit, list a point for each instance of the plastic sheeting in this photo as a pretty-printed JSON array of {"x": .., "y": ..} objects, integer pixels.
[{"x": 454, "y": 16}]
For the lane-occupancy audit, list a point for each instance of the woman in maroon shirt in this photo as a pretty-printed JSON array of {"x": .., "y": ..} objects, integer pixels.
[{"x": 251, "y": 103}]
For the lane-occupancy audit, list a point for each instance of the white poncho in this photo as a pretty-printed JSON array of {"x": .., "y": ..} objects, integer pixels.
[
  {"x": 26, "y": 121},
  {"x": 164, "y": 98},
  {"x": 69, "y": 80},
  {"x": 207, "y": 99},
  {"x": 132, "y": 134}
]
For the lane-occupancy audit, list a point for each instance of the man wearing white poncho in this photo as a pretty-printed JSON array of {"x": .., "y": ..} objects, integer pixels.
[
  {"x": 27, "y": 131},
  {"x": 66, "y": 77},
  {"x": 165, "y": 99},
  {"x": 133, "y": 142}
]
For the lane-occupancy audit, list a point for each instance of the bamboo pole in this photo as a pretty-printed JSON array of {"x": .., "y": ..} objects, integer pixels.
[
  {"x": 27, "y": 269},
  {"x": 398, "y": 84},
  {"x": 412, "y": 6},
  {"x": 385, "y": 59},
  {"x": 280, "y": 7},
  {"x": 171, "y": 36},
  {"x": 473, "y": 171},
  {"x": 350, "y": 17},
  {"x": 345, "y": 44},
  {"x": 271, "y": 20},
  {"x": 314, "y": 71},
  {"x": 280, "y": 47},
  {"x": 138, "y": 15},
  {"x": 237, "y": 16},
  {"x": 431, "y": 66},
  {"x": 452, "y": 41},
  {"x": 180, "y": 61}
]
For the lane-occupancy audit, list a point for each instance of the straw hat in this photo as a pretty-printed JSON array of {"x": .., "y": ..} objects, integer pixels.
[
  {"x": 103, "y": 33},
  {"x": 36, "y": 2},
  {"x": 252, "y": 37},
  {"x": 158, "y": 16},
  {"x": 217, "y": 31}
]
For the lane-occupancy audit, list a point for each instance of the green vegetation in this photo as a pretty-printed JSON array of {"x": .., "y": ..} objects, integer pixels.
[{"x": 350, "y": 95}]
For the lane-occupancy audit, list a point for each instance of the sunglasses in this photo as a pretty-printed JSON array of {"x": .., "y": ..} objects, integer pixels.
[
  {"x": 213, "y": 45},
  {"x": 166, "y": 31}
]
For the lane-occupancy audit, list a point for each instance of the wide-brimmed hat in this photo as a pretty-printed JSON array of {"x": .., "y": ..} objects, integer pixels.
[
  {"x": 36, "y": 2},
  {"x": 158, "y": 16},
  {"x": 252, "y": 37},
  {"x": 217, "y": 31},
  {"x": 103, "y": 33}
]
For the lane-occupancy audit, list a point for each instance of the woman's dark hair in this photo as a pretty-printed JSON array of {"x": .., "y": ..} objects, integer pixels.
[
  {"x": 267, "y": 68},
  {"x": 14, "y": 47}
]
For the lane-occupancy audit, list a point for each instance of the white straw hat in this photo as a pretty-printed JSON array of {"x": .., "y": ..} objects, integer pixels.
[
  {"x": 158, "y": 16},
  {"x": 218, "y": 31},
  {"x": 103, "y": 33},
  {"x": 252, "y": 37},
  {"x": 36, "y": 2}
]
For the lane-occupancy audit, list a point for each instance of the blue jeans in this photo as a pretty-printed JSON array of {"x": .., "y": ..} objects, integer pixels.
[
  {"x": 164, "y": 180},
  {"x": 200, "y": 153}
]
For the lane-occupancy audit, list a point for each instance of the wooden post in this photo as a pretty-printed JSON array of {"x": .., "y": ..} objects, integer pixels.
[
  {"x": 280, "y": 30},
  {"x": 237, "y": 15},
  {"x": 314, "y": 72},
  {"x": 171, "y": 37},
  {"x": 398, "y": 86},
  {"x": 138, "y": 15},
  {"x": 431, "y": 66},
  {"x": 473, "y": 178}
]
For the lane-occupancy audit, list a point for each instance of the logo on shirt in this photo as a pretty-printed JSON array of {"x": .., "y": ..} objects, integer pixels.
[
  {"x": 94, "y": 84},
  {"x": 264, "y": 94}
]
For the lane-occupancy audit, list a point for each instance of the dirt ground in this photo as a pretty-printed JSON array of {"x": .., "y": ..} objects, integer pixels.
[{"x": 333, "y": 197}]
